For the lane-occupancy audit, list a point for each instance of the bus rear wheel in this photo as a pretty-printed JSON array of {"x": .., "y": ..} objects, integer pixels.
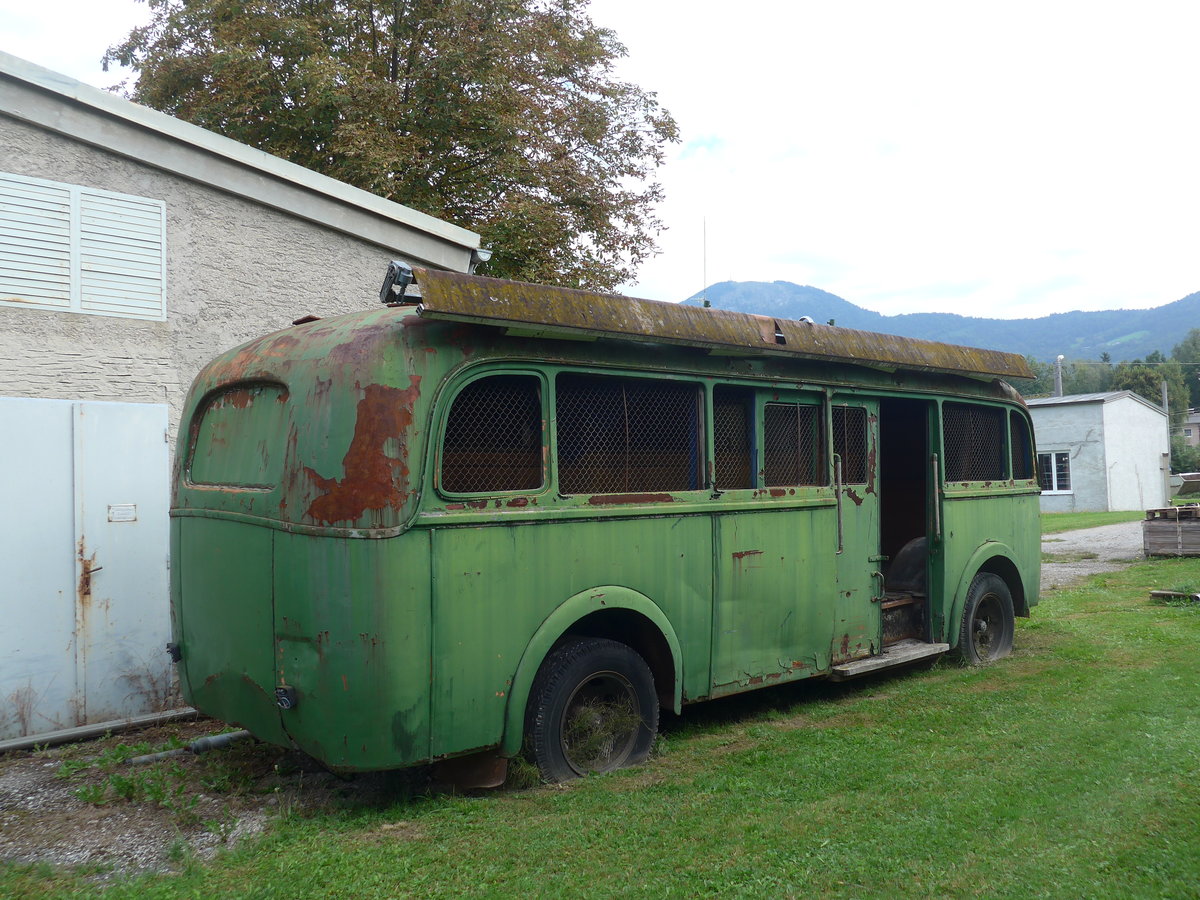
[
  {"x": 986, "y": 633},
  {"x": 592, "y": 708}
]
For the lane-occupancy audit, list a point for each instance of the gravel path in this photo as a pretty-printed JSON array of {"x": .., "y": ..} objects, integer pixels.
[{"x": 1089, "y": 551}]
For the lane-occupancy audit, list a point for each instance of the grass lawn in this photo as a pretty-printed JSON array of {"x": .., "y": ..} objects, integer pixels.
[
  {"x": 1052, "y": 523},
  {"x": 1069, "y": 770}
]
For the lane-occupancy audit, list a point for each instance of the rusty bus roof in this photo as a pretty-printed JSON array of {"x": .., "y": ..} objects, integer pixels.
[{"x": 540, "y": 311}]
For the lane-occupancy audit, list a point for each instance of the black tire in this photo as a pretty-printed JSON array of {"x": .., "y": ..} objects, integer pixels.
[
  {"x": 986, "y": 632},
  {"x": 592, "y": 708}
]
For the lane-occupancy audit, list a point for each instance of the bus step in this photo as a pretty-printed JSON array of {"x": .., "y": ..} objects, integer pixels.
[{"x": 898, "y": 654}]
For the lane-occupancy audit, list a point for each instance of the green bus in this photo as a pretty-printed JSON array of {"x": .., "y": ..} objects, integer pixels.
[{"x": 488, "y": 518}]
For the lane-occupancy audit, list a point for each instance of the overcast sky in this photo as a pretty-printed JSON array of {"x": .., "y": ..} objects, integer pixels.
[{"x": 1003, "y": 160}]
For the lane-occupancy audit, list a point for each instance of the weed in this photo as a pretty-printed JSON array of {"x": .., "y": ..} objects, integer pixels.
[
  {"x": 522, "y": 774},
  {"x": 179, "y": 851},
  {"x": 95, "y": 794}
]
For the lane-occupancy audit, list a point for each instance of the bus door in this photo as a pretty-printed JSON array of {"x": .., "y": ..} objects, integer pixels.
[
  {"x": 854, "y": 424},
  {"x": 772, "y": 616}
]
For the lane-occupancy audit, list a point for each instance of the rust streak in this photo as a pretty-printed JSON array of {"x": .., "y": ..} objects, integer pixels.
[
  {"x": 614, "y": 499},
  {"x": 742, "y": 554}
]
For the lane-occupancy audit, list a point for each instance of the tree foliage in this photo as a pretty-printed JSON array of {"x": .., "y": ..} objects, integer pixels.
[
  {"x": 1146, "y": 378},
  {"x": 503, "y": 116},
  {"x": 1187, "y": 354}
]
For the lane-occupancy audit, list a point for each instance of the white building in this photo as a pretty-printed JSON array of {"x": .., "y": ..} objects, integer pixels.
[
  {"x": 1099, "y": 452},
  {"x": 134, "y": 248}
]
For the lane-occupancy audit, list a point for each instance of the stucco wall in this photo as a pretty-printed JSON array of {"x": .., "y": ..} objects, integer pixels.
[
  {"x": 235, "y": 270},
  {"x": 1079, "y": 429},
  {"x": 1137, "y": 440}
]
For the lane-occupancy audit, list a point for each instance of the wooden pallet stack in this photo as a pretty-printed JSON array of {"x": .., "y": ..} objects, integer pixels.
[{"x": 1172, "y": 531}]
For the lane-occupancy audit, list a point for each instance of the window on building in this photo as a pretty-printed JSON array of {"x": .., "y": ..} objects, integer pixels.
[
  {"x": 76, "y": 249},
  {"x": 1054, "y": 471}
]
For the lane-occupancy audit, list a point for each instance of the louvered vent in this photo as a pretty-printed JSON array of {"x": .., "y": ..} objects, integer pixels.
[{"x": 81, "y": 250}]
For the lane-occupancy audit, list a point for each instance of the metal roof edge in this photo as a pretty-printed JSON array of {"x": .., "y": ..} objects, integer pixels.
[
  {"x": 1096, "y": 397},
  {"x": 102, "y": 102}
]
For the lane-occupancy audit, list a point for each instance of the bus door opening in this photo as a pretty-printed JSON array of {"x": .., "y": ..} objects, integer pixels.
[{"x": 906, "y": 505}]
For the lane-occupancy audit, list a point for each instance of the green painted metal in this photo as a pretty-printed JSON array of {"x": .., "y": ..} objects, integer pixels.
[{"x": 316, "y": 552}]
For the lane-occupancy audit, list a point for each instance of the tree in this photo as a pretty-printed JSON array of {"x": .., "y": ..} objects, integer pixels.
[
  {"x": 1146, "y": 378},
  {"x": 1187, "y": 354},
  {"x": 503, "y": 116}
]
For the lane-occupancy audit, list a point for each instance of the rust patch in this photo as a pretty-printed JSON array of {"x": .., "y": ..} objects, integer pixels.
[
  {"x": 757, "y": 679},
  {"x": 742, "y": 554},
  {"x": 845, "y": 645},
  {"x": 853, "y": 495},
  {"x": 517, "y": 502},
  {"x": 87, "y": 565},
  {"x": 372, "y": 480},
  {"x": 615, "y": 499}
]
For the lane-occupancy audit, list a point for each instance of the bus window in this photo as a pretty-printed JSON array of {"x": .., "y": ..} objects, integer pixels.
[
  {"x": 493, "y": 439},
  {"x": 733, "y": 438},
  {"x": 792, "y": 445},
  {"x": 627, "y": 435},
  {"x": 850, "y": 442},
  {"x": 974, "y": 442},
  {"x": 237, "y": 441},
  {"x": 1022, "y": 447}
]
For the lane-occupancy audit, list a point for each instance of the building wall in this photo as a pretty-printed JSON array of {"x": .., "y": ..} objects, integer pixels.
[
  {"x": 1137, "y": 442},
  {"x": 235, "y": 270},
  {"x": 1079, "y": 429}
]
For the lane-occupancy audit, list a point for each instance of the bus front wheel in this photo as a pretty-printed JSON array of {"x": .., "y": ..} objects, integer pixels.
[
  {"x": 986, "y": 633},
  {"x": 592, "y": 708}
]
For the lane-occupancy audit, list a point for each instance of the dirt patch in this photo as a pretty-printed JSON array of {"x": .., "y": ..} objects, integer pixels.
[
  {"x": 1071, "y": 556},
  {"x": 86, "y": 805}
]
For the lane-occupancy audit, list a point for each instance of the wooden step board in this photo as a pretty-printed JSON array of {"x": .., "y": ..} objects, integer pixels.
[{"x": 897, "y": 654}]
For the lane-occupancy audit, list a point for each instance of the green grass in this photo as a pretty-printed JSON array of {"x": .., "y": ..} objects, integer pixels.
[
  {"x": 1068, "y": 770},
  {"x": 1052, "y": 523}
]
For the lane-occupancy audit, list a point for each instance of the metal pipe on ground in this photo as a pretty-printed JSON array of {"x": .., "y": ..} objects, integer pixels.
[
  {"x": 200, "y": 745},
  {"x": 99, "y": 729}
]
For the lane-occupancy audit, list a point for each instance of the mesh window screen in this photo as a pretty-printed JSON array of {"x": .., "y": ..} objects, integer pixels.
[
  {"x": 850, "y": 442},
  {"x": 974, "y": 442},
  {"x": 1022, "y": 447},
  {"x": 494, "y": 437},
  {"x": 792, "y": 445},
  {"x": 627, "y": 436},
  {"x": 733, "y": 438}
]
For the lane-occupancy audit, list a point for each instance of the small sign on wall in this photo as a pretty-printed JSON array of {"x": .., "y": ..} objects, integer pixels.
[{"x": 122, "y": 512}]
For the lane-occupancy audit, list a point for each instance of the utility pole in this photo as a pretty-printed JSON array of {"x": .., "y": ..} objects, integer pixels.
[{"x": 1058, "y": 376}]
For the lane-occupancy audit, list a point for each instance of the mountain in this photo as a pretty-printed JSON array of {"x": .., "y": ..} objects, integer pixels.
[{"x": 1122, "y": 333}]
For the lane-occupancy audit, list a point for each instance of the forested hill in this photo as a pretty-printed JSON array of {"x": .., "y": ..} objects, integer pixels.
[{"x": 1122, "y": 333}]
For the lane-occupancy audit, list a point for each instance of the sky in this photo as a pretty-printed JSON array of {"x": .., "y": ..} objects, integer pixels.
[{"x": 1003, "y": 160}]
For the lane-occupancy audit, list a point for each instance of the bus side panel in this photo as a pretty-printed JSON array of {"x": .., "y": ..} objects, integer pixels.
[
  {"x": 222, "y": 592},
  {"x": 352, "y": 633},
  {"x": 775, "y": 600},
  {"x": 494, "y": 586},
  {"x": 970, "y": 522}
]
